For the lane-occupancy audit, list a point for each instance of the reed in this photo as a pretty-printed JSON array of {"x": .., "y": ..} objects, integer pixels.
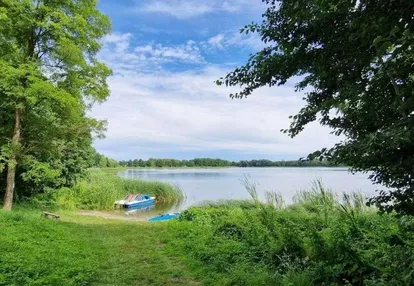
[
  {"x": 275, "y": 199},
  {"x": 251, "y": 187},
  {"x": 321, "y": 239},
  {"x": 100, "y": 190},
  {"x": 318, "y": 199}
]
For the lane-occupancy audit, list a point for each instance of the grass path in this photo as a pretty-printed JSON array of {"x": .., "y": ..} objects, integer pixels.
[
  {"x": 112, "y": 215},
  {"x": 85, "y": 250}
]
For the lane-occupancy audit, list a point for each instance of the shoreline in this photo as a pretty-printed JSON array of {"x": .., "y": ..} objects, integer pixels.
[{"x": 228, "y": 167}]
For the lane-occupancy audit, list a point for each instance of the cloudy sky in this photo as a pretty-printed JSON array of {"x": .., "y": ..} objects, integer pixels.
[{"x": 166, "y": 55}]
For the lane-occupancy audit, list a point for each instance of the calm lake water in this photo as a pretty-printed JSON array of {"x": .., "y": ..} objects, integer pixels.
[{"x": 217, "y": 184}]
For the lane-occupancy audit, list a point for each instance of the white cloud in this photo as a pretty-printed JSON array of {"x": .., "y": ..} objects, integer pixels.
[
  {"x": 119, "y": 52},
  {"x": 235, "y": 38},
  {"x": 231, "y": 7},
  {"x": 121, "y": 41},
  {"x": 186, "y": 53},
  {"x": 152, "y": 108},
  {"x": 185, "y": 9},
  {"x": 217, "y": 41},
  {"x": 178, "y": 9},
  {"x": 241, "y": 39}
]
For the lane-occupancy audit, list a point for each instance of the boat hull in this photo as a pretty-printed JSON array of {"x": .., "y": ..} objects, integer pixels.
[
  {"x": 139, "y": 204},
  {"x": 164, "y": 217}
]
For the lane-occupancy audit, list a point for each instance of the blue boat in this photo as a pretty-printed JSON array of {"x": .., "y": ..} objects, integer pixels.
[
  {"x": 164, "y": 217},
  {"x": 139, "y": 201}
]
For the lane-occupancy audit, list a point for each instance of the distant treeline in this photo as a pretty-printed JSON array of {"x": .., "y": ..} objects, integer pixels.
[{"x": 209, "y": 162}]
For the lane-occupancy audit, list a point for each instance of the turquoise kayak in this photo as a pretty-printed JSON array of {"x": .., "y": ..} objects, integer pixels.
[{"x": 164, "y": 217}]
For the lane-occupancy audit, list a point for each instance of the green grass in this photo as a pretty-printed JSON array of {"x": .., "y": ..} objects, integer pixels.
[
  {"x": 101, "y": 189},
  {"x": 319, "y": 240},
  {"x": 81, "y": 250}
]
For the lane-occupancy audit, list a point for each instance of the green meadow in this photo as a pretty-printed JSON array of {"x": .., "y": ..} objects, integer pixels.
[
  {"x": 320, "y": 239},
  {"x": 80, "y": 250}
]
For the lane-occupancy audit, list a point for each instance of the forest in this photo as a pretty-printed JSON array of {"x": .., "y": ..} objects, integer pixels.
[{"x": 211, "y": 162}]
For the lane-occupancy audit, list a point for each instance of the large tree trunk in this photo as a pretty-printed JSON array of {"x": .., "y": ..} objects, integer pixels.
[{"x": 12, "y": 164}]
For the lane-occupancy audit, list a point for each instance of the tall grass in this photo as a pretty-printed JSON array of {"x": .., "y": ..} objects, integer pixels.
[
  {"x": 318, "y": 199},
  {"x": 320, "y": 239},
  {"x": 251, "y": 187},
  {"x": 100, "y": 190},
  {"x": 275, "y": 199},
  {"x": 244, "y": 204}
]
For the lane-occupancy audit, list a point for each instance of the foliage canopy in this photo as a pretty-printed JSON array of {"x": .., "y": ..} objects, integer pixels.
[
  {"x": 356, "y": 58},
  {"x": 50, "y": 77}
]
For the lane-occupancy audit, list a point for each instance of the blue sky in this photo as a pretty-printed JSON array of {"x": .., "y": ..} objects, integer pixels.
[{"x": 166, "y": 55}]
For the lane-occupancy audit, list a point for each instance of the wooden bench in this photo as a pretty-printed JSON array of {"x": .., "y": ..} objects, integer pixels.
[{"x": 50, "y": 215}]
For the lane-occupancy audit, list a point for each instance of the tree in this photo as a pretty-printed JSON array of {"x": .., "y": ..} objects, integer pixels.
[
  {"x": 112, "y": 163},
  {"x": 50, "y": 77},
  {"x": 103, "y": 162},
  {"x": 356, "y": 59}
]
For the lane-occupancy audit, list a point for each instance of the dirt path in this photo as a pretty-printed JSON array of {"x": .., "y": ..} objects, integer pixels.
[{"x": 111, "y": 215}]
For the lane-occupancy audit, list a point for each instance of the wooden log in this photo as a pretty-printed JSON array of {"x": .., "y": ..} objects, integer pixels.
[{"x": 50, "y": 215}]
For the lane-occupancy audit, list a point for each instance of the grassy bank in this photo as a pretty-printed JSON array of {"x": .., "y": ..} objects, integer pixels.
[
  {"x": 101, "y": 188},
  {"x": 317, "y": 241},
  {"x": 81, "y": 250}
]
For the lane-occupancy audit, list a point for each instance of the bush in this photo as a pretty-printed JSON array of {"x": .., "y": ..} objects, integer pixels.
[{"x": 318, "y": 240}]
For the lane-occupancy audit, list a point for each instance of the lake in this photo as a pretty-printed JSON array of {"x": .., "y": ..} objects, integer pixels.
[{"x": 201, "y": 185}]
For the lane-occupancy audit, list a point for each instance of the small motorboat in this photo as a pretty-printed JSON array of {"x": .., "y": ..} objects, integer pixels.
[
  {"x": 164, "y": 217},
  {"x": 138, "y": 201}
]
